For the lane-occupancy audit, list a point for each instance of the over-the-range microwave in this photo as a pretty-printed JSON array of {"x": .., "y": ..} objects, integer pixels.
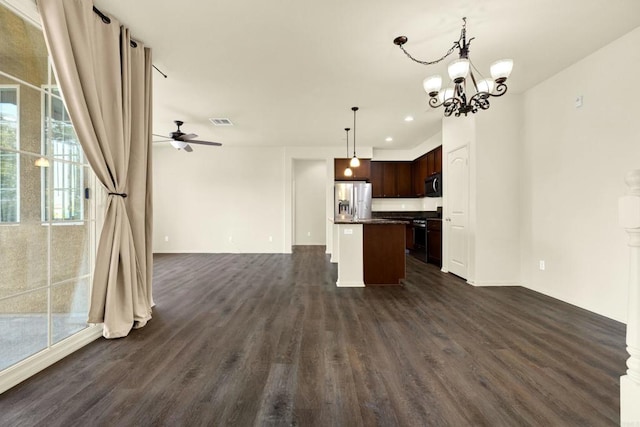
[{"x": 433, "y": 185}]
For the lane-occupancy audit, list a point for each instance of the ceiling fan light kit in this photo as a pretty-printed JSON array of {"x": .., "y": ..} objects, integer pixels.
[
  {"x": 462, "y": 98},
  {"x": 181, "y": 140}
]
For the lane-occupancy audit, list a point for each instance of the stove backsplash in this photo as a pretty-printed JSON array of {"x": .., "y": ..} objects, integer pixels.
[{"x": 408, "y": 205}]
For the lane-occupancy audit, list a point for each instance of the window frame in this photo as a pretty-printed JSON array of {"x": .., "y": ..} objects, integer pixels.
[
  {"x": 16, "y": 152},
  {"x": 48, "y": 192}
]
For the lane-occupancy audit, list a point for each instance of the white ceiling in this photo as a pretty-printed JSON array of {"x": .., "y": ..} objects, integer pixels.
[{"x": 287, "y": 72}]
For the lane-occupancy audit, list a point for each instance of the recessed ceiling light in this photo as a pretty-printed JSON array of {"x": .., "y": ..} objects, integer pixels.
[
  {"x": 388, "y": 139},
  {"x": 408, "y": 119}
]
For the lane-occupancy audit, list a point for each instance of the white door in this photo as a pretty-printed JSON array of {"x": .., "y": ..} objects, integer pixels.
[{"x": 456, "y": 219}]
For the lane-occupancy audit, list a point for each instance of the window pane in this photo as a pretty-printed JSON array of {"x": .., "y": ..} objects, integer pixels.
[
  {"x": 61, "y": 140},
  {"x": 22, "y": 49},
  {"x": 9, "y": 187},
  {"x": 23, "y": 326},
  {"x": 9, "y": 117},
  {"x": 24, "y": 245},
  {"x": 69, "y": 251},
  {"x": 67, "y": 192},
  {"x": 69, "y": 308}
]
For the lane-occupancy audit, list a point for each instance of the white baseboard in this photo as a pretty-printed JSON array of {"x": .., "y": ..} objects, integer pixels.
[
  {"x": 488, "y": 284},
  {"x": 27, "y": 368}
]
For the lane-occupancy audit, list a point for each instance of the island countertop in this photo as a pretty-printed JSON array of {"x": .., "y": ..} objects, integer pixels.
[{"x": 371, "y": 221}]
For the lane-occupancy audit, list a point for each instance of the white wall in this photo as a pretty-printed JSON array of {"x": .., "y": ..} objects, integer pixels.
[
  {"x": 390, "y": 154},
  {"x": 310, "y": 202},
  {"x": 574, "y": 161},
  {"x": 293, "y": 154},
  {"x": 218, "y": 199},
  {"x": 497, "y": 192}
]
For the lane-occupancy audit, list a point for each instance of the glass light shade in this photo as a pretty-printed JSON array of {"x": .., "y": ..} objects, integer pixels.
[
  {"x": 347, "y": 172},
  {"x": 42, "y": 162},
  {"x": 432, "y": 85},
  {"x": 485, "y": 85},
  {"x": 178, "y": 144},
  {"x": 445, "y": 94},
  {"x": 501, "y": 69},
  {"x": 355, "y": 162},
  {"x": 458, "y": 70}
]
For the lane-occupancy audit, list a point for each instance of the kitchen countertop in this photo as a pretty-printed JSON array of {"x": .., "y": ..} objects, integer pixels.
[{"x": 373, "y": 221}]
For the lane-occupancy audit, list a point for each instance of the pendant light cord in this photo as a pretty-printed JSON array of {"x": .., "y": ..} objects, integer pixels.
[
  {"x": 347, "y": 129},
  {"x": 354, "y": 130}
]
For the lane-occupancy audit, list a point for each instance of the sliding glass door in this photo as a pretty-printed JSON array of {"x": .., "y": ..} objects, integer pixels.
[{"x": 47, "y": 208}]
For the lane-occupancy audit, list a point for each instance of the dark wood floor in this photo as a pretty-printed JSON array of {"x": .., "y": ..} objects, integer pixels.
[{"x": 269, "y": 340}]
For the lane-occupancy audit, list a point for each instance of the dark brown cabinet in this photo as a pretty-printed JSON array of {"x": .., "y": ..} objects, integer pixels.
[
  {"x": 391, "y": 179},
  {"x": 425, "y": 166},
  {"x": 383, "y": 256},
  {"x": 361, "y": 173},
  {"x": 434, "y": 241},
  {"x": 419, "y": 175},
  {"x": 408, "y": 229},
  {"x": 376, "y": 179},
  {"x": 438, "y": 160},
  {"x": 404, "y": 178}
]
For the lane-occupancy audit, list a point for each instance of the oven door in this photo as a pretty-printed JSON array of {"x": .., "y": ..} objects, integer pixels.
[{"x": 419, "y": 236}]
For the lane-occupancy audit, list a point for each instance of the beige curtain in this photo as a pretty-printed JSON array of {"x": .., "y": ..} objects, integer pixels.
[{"x": 106, "y": 85}]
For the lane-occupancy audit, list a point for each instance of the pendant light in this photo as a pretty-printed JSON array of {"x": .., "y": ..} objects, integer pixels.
[
  {"x": 42, "y": 162},
  {"x": 347, "y": 171},
  {"x": 354, "y": 160}
]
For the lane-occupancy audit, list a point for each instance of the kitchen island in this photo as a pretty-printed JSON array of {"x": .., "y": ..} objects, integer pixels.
[{"x": 369, "y": 252}]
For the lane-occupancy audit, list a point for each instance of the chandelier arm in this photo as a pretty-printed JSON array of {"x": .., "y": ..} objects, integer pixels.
[
  {"x": 451, "y": 105},
  {"x": 480, "y": 100},
  {"x": 434, "y": 102},
  {"x": 500, "y": 90}
]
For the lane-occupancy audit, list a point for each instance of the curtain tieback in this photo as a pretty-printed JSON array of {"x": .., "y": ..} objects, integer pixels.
[{"x": 123, "y": 195}]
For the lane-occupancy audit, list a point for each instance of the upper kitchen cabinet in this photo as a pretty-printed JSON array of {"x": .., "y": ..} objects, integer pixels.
[
  {"x": 361, "y": 173},
  {"x": 376, "y": 179},
  {"x": 425, "y": 166},
  {"x": 434, "y": 161},
  {"x": 391, "y": 179},
  {"x": 419, "y": 175},
  {"x": 404, "y": 181},
  {"x": 438, "y": 160}
]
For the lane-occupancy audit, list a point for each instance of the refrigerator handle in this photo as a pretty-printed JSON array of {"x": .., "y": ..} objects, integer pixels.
[{"x": 355, "y": 202}]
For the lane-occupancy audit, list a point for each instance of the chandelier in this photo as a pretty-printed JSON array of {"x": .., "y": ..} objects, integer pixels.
[{"x": 463, "y": 98}]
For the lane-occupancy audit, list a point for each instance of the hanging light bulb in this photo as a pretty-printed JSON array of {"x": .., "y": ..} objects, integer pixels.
[
  {"x": 347, "y": 171},
  {"x": 355, "y": 162},
  {"x": 42, "y": 162}
]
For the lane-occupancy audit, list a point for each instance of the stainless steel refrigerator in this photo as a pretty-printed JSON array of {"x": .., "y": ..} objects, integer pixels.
[{"x": 352, "y": 200}]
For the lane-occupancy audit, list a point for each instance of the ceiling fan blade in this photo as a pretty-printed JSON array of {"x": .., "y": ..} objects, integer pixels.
[
  {"x": 159, "y": 136},
  {"x": 188, "y": 148},
  {"x": 163, "y": 140},
  {"x": 186, "y": 137},
  {"x": 194, "y": 141}
]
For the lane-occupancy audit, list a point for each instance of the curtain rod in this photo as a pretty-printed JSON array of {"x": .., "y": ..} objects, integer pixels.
[{"x": 107, "y": 20}]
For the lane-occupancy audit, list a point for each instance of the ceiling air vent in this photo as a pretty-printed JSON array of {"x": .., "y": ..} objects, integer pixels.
[{"x": 221, "y": 122}]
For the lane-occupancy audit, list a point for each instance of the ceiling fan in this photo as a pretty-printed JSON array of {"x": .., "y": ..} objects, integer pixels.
[{"x": 181, "y": 140}]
